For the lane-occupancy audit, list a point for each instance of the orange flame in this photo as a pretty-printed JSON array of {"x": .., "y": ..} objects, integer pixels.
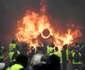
[{"x": 33, "y": 24}]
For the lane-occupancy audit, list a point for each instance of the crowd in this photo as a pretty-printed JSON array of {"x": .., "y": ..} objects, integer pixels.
[{"x": 46, "y": 57}]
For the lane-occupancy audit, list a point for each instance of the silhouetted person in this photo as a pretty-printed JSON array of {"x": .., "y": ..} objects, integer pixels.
[
  {"x": 39, "y": 49},
  {"x": 31, "y": 53},
  {"x": 24, "y": 48},
  {"x": 45, "y": 48},
  {"x": 20, "y": 63},
  {"x": 54, "y": 62},
  {"x": 83, "y": 56},
  {"x": 64, "y": 57},
  {"x": 59, "y": 54},
  {"x": 76, "y": 61}
]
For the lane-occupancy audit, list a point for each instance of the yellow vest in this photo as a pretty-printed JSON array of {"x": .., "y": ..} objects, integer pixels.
[
  {"x": 73, "y": 62},
  {"x": 59, "y": 54},
  {"x": 15, "y": 67},
  {"x": 11, "y": 55},
  {"x": 67, "y": 54},
  {"x": 49, "y": 50},
  {"x": 11, "y": 46}
]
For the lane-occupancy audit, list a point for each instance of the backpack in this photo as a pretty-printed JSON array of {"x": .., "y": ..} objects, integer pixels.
[{"x": 77, "y": 57}]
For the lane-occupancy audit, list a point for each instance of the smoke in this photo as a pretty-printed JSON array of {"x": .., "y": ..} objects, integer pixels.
[
  {"x": 67, "y": 10},
  {"x": 63, "y": 13},
  {"x": 10, "y": 12}
]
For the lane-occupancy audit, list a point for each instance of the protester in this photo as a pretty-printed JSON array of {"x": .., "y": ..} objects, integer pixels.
[
  {"x": 20, "y": 63},
  {"x": 48, "y": 63}
]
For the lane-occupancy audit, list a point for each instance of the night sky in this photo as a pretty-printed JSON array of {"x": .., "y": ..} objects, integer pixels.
[{"x": 66, "y": 11}]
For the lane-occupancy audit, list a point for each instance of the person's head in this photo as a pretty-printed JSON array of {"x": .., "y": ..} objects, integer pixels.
[
  {"x": 22, "y": 59},
  {"x": 24, "y": 44},
  {"x": 32, "y": 49},
  {"x": 45, "y": 43},
  {"x": 56, "y": 48},
  {"x": 65, "y": 46},
  {"x": 52, "y": 45},
  {"x": 13, "y": 41},
  {"x": 39, "y": 48}
]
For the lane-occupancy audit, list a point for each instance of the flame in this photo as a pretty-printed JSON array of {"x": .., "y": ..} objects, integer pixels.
[
  {"x": 33, "y": 24},
  {"x": 68, "y": 38}
]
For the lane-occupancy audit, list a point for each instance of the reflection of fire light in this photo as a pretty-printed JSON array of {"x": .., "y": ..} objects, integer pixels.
[{"x": 33, "y": 24}]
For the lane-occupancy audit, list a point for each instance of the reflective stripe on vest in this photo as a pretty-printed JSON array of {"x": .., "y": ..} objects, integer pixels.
[{"x": 18, "y": 52}]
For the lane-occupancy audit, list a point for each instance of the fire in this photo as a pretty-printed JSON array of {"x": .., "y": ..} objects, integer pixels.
[
  {"x": 33, "y": 24},
  {"x": 68, "y": 38}
]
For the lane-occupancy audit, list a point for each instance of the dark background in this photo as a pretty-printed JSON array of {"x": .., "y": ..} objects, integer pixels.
[{"x": 63, "y": 13}]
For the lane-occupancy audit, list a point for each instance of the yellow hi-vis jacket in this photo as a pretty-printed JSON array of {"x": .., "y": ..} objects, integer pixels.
[
  {"x": 67, "y": 54},
  {"x": 11, "y": 55},
  {"x": 73, "y": 62},
  {"x": 15, "y": 67},
  {"x": 12, "y": 46},
  {"x": 49, "y": 50},
  {"x": 59, "y": 54}
]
